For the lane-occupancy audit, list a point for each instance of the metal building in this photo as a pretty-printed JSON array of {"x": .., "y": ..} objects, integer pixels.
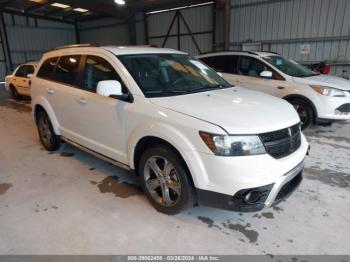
[{"x": 307, "y": 31}]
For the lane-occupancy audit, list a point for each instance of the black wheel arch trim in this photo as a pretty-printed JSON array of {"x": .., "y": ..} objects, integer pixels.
[
  {"x": 294, "y": 96},
  {"x": 143, "y": 143}
]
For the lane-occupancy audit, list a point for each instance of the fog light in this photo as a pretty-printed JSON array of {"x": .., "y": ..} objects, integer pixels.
[{"x": 252, "y": 197}]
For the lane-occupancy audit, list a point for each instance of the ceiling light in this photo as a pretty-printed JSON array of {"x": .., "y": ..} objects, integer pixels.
[
  {"x": 120, "y": 2},
  {"x": 81, "y": 10},
  {"x": 39, "y": 1},
  {"x": 60, "y": 5}
]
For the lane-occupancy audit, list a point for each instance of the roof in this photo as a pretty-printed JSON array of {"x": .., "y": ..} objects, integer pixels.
[
  {"x": 33, "y": 63},
  {"x": 254, "y": 53}
]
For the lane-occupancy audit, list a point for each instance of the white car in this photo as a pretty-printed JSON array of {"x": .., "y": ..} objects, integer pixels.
[
  {"x": 317, "y": 98},
  {"x": 188, "y": 135},
  {"x": 18, "y": 83}
]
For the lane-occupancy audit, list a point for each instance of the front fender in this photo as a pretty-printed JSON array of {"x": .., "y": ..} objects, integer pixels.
[
  {"x": 178, "y": 140},
  {"x": 42, "y": 101}
]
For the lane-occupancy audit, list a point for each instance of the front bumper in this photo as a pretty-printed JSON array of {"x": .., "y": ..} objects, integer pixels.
[
  {"x": 254, "y": 199},
  {"x": 333, "y": 108}
]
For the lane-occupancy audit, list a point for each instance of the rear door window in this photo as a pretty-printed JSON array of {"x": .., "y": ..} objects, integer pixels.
[
  {"x": 47, "y": 68},
  {"x": 222, "y": 63},
  {"x": 30, "y": 70},
  {"x": 67, "y": 70}
]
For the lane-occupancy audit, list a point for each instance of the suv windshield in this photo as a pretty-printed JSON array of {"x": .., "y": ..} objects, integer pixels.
[
  {"x": 171, "y": 74},
  {"x": 289, "y": 67}
]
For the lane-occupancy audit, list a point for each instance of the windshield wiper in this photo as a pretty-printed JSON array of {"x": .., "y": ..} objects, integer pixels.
[
  {"x": 166, "y": 92},
  {"x": 209, "y": 87},
  {"x": 302, "y": 76}
]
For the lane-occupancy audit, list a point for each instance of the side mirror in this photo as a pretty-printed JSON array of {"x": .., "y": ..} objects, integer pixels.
[
  {"x": 109, "y": 87},
  {"x": 266, "y": 74},
  {"x": 112, "y": 88},
  {"x": 29, "y": 75}
]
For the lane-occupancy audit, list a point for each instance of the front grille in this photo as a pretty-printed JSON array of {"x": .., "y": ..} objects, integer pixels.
[
  {"x": 283, "y": 142},
  {"x": 344, "y": 108}
]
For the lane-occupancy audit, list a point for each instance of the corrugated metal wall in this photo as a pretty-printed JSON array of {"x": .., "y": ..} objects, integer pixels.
[
  {"x": 140, "y": 29},
  {"x": 110, "y": 31},
  {"x": 29, "y": 38},
  {"x": 2, "y": 64},
  {"x": 284, "y": 25},
  {"x": 199, "y": 20}
]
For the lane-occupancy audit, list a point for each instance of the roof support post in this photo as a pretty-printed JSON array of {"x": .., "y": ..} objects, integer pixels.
[
  {"x": 77, "y": 34},
  {"x": 5, "y": 44},
  {"x": 132, "y": 29}
]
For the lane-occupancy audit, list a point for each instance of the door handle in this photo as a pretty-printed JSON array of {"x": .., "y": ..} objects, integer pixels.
[
  {"x": 82, "y": 101},
  {"x": 50, "y": 91},
  {"x": 281, "y": 87}
]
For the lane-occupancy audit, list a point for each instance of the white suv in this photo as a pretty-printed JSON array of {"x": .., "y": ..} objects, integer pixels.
[
  {"x": 317, "y": 98},
  {"x": 189, "y": 136}
]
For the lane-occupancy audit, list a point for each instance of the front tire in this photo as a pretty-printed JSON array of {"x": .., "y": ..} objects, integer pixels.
[
  {"x": 305, "y": 112},
  {"x": 47, "y": 135},
  {"x": 165, "y": 180}
]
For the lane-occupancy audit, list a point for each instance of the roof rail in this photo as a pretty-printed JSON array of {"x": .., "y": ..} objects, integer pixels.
[
  {"x": 257, "y": 52},
  {"x": 273, "y": 53},
  {"x": 75, "y": 46},
  {"x": 239, "y": 51},
  {"x": 224, "y": 51}
]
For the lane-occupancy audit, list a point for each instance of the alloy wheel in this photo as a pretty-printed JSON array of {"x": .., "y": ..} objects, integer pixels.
[
  {"x": 162, "y": 181},
  {"x": 45, "y": 131},
  {"x": 302, "y": 112}
]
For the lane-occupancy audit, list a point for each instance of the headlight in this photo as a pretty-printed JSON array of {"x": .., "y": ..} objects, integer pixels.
[
  {"x": 223, "y": 145},
  {"x": 328, "y": 91}
]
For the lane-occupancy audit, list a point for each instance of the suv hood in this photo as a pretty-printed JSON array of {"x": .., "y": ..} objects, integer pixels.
[
  {"x": 325, "y": 80},
  {"x": 237, "y": 110}
]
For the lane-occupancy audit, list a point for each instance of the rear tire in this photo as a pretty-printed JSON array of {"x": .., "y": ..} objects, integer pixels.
[
  {"x": 14, "y": 93},
  {"x": 305, "y": 112},
  {"x": 47, "y": 135},
  {"x": 165, "y": 180}
]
